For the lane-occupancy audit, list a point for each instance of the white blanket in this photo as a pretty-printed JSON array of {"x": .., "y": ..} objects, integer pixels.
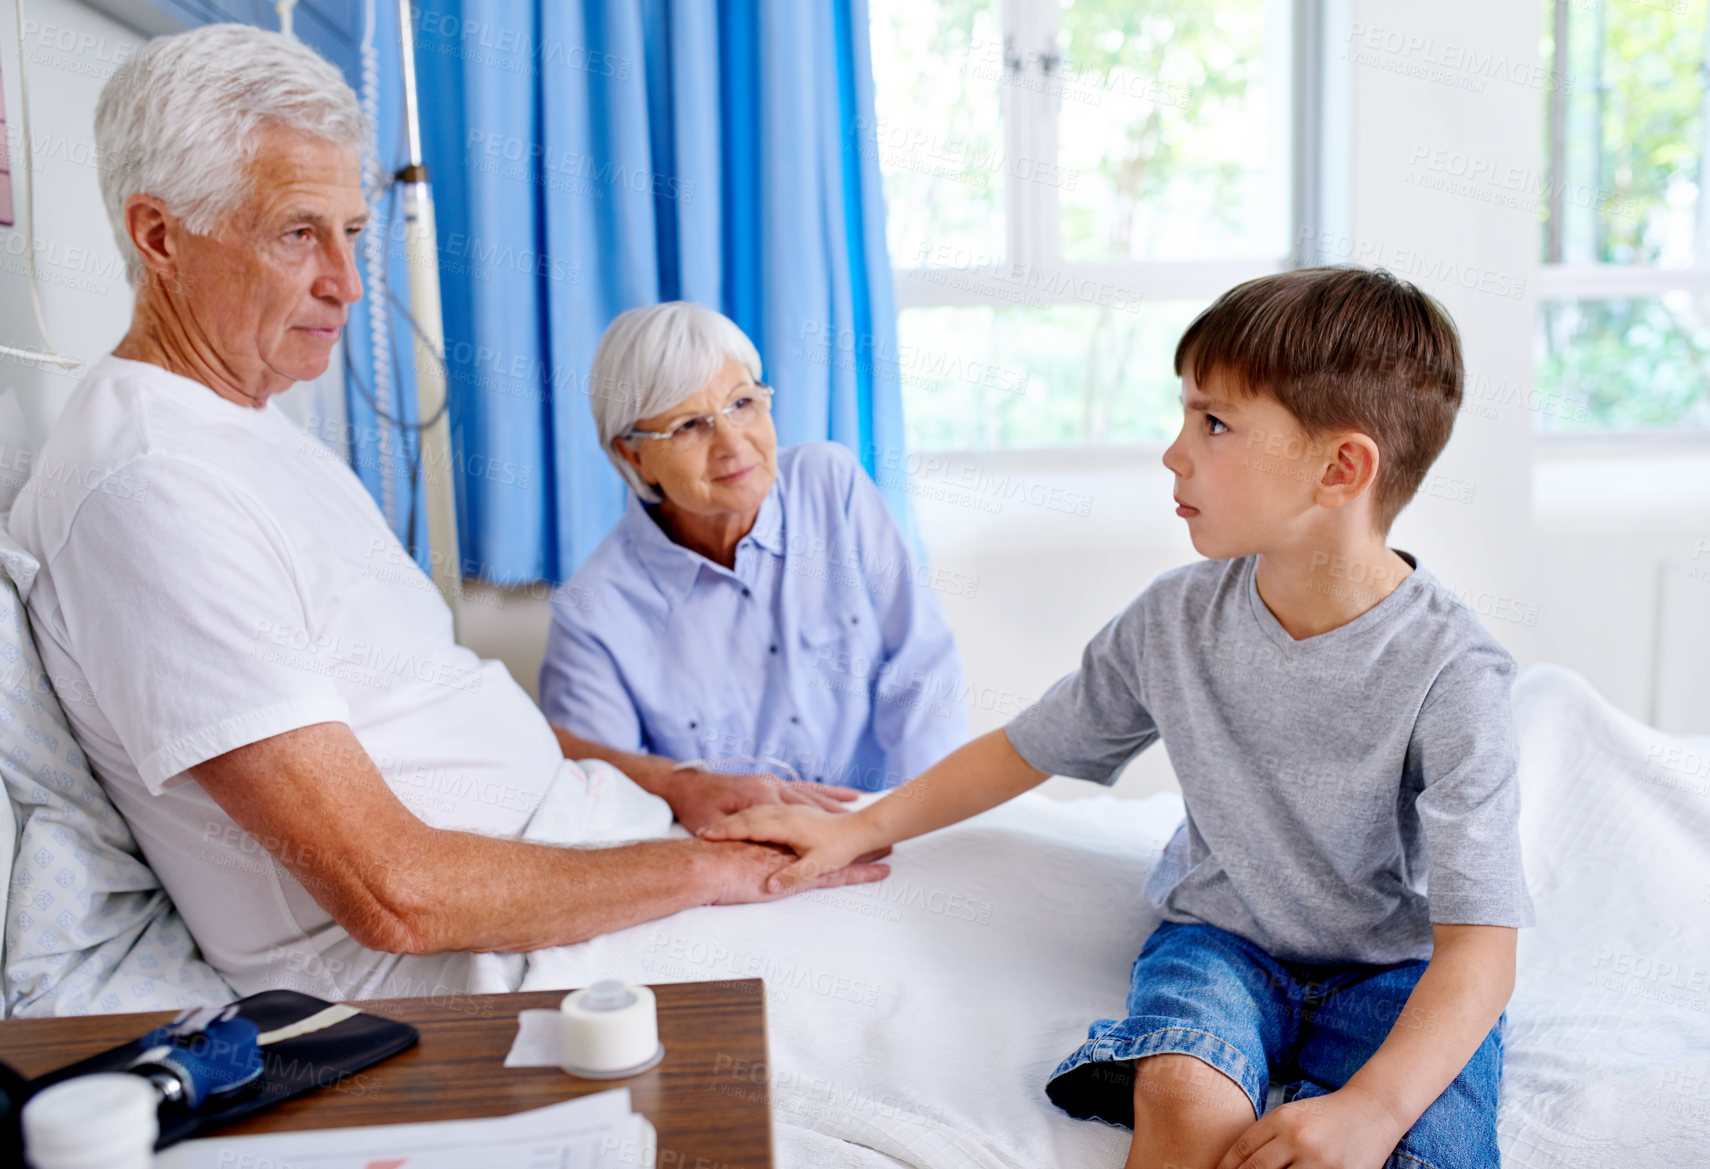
[
  {"x": 917, "y": 1016},
  {"x": 1608, "y": 1047},
  {"x": 915, "y": 1020}
]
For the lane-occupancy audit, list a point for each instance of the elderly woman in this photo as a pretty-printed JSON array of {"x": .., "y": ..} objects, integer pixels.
[{"x": 753, "y": 629}]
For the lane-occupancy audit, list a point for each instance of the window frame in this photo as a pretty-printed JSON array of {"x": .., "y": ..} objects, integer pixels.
[
  {"x": 1031, "y": 233},
  {"x": 1557, "y": 280}
]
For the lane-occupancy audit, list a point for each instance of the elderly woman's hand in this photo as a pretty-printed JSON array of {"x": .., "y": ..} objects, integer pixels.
[{"x": 702, "y": 798}]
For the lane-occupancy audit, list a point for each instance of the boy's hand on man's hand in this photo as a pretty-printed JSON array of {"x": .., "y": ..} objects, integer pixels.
[
  {"x": 745, "y": 871},
  {"x": 1347, "y": 1129},
  {"x": 824, "y": 842},
  {"x": 703, "y": 798}
]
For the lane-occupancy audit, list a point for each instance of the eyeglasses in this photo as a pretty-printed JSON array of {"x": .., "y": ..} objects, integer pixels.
[{"x": 753, "y": 404}]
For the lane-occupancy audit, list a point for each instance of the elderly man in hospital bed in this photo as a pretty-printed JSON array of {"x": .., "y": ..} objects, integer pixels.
[{"x": 210, "y": 577}]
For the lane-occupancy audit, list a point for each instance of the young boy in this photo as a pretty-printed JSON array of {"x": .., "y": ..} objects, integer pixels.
[{"x": 1340, "y": 904}]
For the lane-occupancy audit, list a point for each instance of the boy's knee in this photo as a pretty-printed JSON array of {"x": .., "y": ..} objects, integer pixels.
[
  {"x": 1186, "y": 1113},
  {"x": 1173, "y": 1084}
]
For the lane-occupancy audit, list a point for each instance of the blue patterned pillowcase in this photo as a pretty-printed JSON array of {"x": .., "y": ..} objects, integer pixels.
[{"x": 89, "y": 930}]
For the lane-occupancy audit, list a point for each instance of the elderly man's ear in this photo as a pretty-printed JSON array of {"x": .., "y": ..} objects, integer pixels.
[{"x": 153, "y": 231}]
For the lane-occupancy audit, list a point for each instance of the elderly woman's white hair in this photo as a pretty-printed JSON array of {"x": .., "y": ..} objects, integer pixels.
[
  {"x": 178, "y": 120},
  {"x": 653, "y": 357}
]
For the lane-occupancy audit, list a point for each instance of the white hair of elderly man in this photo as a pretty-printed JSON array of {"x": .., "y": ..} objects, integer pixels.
[
  {"x": 178, "y": 120},
  {"x": 651, "y": 358}
]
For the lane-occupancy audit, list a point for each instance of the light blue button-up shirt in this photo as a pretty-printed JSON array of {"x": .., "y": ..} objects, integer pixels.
[{"x": 825, "y": 646}]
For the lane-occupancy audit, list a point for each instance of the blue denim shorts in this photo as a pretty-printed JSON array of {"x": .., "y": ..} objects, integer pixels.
[{"x": 1205, "y": 992}]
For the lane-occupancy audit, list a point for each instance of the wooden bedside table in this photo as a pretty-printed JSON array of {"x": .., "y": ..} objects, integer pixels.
[{"x": 709, "y": 1098}]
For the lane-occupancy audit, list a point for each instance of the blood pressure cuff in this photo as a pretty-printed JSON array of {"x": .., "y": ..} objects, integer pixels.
[{"x": 307, "y": 1043}]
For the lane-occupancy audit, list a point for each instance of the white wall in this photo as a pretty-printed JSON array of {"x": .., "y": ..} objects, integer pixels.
[
  {"x": 86, "y": 302},
  {"x": 1619, "y": 570},
  {"x": 72, "y": 50}
]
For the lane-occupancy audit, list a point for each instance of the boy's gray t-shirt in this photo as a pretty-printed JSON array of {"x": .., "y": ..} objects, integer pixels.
[{"x": 1343, "y": 792}]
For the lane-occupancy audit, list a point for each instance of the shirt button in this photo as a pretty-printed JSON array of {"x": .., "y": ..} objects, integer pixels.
[
  {"x": 745, "y": 592},
  {"x": 774, "y": 649},
  {"x": 854, "y": 620},
  {"x": 693, "y": 725},
  {"x": 794, "y": 719}
]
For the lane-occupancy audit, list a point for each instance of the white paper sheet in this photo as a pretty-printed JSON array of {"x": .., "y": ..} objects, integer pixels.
[
  {"x": 538, "y": 1042},
  {"x": 591, "y": 1132}
]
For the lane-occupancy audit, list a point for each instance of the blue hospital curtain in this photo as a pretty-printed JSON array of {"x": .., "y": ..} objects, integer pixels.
[{"x": 590, "y": 156}]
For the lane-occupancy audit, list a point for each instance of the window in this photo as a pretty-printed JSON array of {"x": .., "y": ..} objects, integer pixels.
[
  {"x": 1067, "y": 183},
  {"x": 1623, "y": 341}
]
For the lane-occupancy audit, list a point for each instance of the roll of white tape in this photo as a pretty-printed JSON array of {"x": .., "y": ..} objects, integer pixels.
[{"x": 610, "y": 1030}]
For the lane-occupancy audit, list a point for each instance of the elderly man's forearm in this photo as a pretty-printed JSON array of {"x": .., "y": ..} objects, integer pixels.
[
  {"x": 474, "y": 893},
  {"x": 395, "y": 883}
]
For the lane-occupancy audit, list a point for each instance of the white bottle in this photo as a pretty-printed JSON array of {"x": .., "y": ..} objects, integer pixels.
[{"x": 92, "y": 1122}]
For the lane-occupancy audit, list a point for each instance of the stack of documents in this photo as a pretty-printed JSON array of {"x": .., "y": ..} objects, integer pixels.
[{"x": 591, "y": 1132}]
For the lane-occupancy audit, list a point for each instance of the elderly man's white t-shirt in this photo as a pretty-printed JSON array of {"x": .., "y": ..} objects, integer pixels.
[{"x": 211, "y": 577}]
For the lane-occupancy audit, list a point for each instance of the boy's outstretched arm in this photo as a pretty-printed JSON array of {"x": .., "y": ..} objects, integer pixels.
[
  {"x": 980, "y": 775},
  {"x": 1452, "y": 1008}
]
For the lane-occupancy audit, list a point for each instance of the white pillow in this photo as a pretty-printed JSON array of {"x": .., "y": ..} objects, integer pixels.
[{"x": 89, "y": 930}]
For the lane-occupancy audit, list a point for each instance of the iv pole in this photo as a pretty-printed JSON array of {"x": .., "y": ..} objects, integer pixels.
[{"x": 422, "y": 252}]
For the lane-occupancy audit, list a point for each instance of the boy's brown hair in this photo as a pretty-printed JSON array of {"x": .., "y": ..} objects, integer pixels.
[{"x": 1342, "y": 349}]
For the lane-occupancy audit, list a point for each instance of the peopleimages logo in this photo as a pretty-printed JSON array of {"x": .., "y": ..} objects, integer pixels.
[
  {"x": 1411, "y": 263},
  {"x": 978, "y": 487},
  {"x": 477, "y": 257},
  {"x": 509, "y": 48},
  {"x": 844, "y": 348},
  {"x": 530, "y": 157},
  {"x": 1460, "y": 66},
  {"x": 323, "y": 654},
  {"x": 1032, "y": 284}
]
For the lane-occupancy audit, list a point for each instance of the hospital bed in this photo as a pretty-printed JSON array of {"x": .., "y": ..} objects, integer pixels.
[{"x": 914, "y": 1021}]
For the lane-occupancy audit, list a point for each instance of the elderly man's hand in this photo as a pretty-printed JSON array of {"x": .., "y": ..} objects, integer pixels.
[
  {"x": 823, "y": 844},
  {"x": 703, "y": 798},
  {"x": 747, "y": 871}
]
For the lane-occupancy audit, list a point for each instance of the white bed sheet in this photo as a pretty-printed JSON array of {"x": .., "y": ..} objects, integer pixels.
[
  {"x": 919, "y": 1016},
  {"x": 914, "y": 1021}
]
